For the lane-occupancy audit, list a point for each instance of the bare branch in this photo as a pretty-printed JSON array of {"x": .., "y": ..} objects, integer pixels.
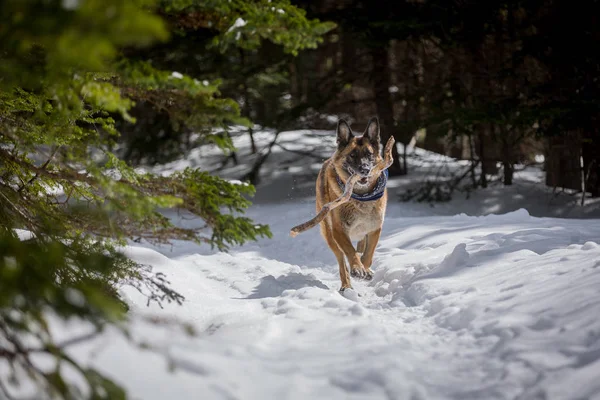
[
  {"x": 67, "y": 174},
  {"x": 43, "y": 168},
  {"x": 77, "y": 339},
  {"x": 304, "y": 153}
]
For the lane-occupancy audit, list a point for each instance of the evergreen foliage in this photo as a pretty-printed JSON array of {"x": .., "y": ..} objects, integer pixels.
[
  {"x": 66, "y": 79},
  {"x": 238, "y": 53}
]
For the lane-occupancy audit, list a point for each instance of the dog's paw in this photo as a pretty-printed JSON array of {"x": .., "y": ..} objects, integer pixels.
[
  {"x": 361, "y": 272},
  {"x": 349, "y": 293}
]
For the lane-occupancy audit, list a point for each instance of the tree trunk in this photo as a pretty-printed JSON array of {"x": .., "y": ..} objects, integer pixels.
[
  {"x": 246, "y": 109},
  {"x": 563, "y": 161},
  {"x": 404, "y": 158},
  {"x": 508, "y": 173},
  {"x": 349, "y": 66},
  {"x": 473, "y": 161},
  {"x": 507, "y": 158},
  {"x": 591, "y": 164},
  {"x": 385, "y": 111},
  {"x": 252, "y": 142},
  {"x": 482, "y": 160}
]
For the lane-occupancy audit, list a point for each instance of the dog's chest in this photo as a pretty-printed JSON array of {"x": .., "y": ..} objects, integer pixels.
[{"x": 361, "y": 218}]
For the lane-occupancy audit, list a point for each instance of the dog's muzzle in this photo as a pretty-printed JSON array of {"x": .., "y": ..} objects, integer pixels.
[{"x": 363, "y": 171}]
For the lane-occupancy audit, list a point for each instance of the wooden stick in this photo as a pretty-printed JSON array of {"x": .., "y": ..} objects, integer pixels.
[
  {"x": 327, "y": 207},
  {"x": 385, "y": 163},
  {"x": 388, "y": 158}
]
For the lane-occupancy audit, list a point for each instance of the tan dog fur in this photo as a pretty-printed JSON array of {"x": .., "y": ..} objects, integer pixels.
[{"x": 353, "y": 220}]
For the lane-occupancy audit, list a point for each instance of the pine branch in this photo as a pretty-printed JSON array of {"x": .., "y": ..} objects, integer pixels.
[{"x": 43, "y": 168}]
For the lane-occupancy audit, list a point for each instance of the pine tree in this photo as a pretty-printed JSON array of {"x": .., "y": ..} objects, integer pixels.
[
  {"x": 68, "y": 203},
  {"x": 238, "y": 46}
]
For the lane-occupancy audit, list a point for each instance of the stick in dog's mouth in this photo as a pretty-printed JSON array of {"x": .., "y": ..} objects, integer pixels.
[
  {"x": 384, "y": 164},
  {"x": 363, "y": 180}
]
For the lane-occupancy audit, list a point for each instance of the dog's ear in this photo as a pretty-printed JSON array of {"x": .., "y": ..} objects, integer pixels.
[
  {"x": 343, "y": 132},
  {"x": 372, "y": 131}
]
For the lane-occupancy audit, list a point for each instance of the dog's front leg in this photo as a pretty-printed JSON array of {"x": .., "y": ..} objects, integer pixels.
[
  {"x": 371, "y": 243},
  {"x": 356, "y": 266}
]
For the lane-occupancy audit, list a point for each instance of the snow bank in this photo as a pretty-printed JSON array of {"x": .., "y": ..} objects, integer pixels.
[
  {"x": 496, "y": 307},
  {"x": 471, "y": 299}
]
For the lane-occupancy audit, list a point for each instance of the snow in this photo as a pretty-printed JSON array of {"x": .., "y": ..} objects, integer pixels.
[
  {"x": 239, "y": 23},
  {"x": 491, "y": 307},
  {"x": 493, "y": 297},
  {"x": 70, "y": 4}
]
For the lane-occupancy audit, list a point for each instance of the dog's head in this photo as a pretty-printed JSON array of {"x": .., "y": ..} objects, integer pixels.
[{"x": 358, "y": 154}]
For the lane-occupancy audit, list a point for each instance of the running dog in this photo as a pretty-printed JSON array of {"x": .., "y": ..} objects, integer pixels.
[{"x": 361, "y": 218}]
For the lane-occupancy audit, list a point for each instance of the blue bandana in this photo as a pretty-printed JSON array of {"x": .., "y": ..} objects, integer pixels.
[{"x": 375, "y": 194}]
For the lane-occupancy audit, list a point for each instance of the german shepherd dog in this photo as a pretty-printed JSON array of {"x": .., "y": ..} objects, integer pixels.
[{"x": 361, "y": 218}]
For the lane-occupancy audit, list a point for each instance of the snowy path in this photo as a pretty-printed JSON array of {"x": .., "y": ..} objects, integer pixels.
[{"x": 495, "y": 307}]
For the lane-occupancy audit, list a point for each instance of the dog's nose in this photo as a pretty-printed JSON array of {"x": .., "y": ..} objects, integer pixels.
[{"x": 364, "y": 170}]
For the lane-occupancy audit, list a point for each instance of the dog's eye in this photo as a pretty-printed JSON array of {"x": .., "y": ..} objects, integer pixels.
[{"x": 354, "y": 154}]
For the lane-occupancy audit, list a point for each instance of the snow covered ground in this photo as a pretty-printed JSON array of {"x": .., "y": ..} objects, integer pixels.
[{"x": 464, "y": 304}]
